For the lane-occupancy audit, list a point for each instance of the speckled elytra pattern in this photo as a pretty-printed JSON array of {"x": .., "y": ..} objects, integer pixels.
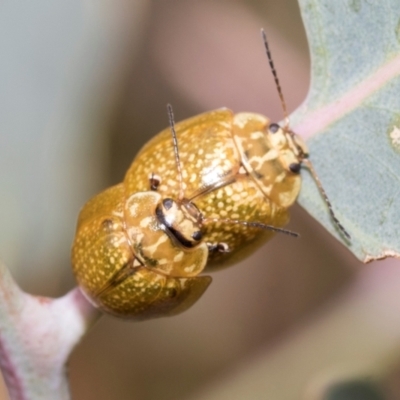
[
  {"x": 213, "y": 147},
  {"x": 147, "y": 294},
  {"x": 106, "y": 266}
]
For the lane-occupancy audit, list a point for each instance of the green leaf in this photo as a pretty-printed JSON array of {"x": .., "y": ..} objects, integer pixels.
[{"x": 352, "y": 113}]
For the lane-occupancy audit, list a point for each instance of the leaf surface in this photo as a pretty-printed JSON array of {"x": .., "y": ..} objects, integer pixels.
[{"x": 352, "y": 117}]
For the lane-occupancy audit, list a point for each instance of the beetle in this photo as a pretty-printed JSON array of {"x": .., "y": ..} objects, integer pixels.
[
  {"x": 201, "y": 195},
  {"x": 236, "y": 167}
]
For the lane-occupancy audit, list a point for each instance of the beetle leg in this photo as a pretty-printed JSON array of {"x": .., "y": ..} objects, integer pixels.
[
  {"x": 154, "y": 181},
  {"x": 218, "y": 247}
]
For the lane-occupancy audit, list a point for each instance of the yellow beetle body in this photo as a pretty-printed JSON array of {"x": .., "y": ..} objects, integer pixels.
[
  {"x": 129, "y": 269},
  {"x": 234, "y": 168},
  {"x": 139, "y": 249}
]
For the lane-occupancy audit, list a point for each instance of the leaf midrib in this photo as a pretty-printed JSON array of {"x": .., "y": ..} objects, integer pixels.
[{"x": 318, "y": 120}]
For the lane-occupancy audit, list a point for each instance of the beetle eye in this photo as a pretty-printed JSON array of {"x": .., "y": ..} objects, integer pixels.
[
  {"x": 273, "y": 128},
  {"x": 197, "y": 236},
  {"x": 295, "y": 167},
  {"x": 167, "y": 203}
]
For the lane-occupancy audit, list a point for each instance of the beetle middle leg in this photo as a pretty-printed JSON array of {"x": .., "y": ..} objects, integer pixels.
[
  {"x": 218, "y": 247},
  {"x": 154, "y": 181}
]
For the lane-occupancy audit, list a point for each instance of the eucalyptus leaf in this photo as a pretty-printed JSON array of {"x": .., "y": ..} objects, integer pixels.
[{"x": 352, "y": 115}]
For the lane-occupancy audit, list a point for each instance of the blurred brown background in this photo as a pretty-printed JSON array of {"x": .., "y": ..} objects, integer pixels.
[{"x": 86, "y": 85}]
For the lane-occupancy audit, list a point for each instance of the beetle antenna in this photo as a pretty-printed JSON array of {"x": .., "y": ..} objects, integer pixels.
[
  {"x": 304, "y": 159},
  {"x": 275, "y": 75},
  {"x": 176, "y": 150},
  {"x": 317, "y": 181},
  {"x": 253, "y": 225}
]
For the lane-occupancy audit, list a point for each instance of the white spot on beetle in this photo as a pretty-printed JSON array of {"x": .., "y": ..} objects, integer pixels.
[
  {"x": 178, "y": 257},
  {"x": 257, "y": 135},
  {"x": 145, "y": 222},
  {"x": 190, "y": 268}
]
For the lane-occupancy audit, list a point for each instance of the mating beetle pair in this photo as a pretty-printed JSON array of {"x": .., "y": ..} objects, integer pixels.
[{"x": 200, "y": 195}]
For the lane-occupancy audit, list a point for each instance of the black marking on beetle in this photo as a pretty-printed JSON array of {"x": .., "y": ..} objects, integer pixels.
[
  {"x": 171, "y": 231},
  {"x": 146, "y": 261}
]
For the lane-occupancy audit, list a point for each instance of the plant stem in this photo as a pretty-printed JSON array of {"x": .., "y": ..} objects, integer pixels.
[{"x": 37, "y": 335}]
